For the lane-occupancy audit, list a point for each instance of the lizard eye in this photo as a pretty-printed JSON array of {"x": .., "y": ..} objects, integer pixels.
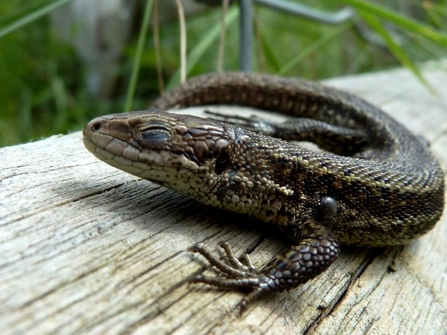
[
  {"x": 154, "y": 138},
  {"x": 222, "y": 162},
  {"x": 153, "y": 135}
]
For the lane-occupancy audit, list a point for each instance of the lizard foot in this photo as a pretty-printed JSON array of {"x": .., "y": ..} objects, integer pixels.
[
  {"x": 314, "y": 254},
  {"x": 238, "y": 274}
]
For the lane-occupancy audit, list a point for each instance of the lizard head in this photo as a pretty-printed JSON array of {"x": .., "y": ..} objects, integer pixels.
[{"x": 192, "y": 155}]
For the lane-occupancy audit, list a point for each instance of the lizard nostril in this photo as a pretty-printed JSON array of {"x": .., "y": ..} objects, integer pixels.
[{"x": 96, "y": 126}]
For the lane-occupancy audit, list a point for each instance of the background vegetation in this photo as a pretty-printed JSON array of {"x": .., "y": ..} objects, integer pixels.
[{"x": 42, "y": 80}]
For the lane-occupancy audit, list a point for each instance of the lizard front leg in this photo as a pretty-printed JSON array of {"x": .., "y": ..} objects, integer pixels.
[{"x": 315, "y": 252}]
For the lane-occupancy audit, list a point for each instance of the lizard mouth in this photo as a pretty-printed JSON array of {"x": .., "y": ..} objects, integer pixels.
[{"x": 146, "y": 145}]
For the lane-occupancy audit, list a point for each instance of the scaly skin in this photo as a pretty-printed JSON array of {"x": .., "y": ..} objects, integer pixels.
[{"x": 379, "y": 185}]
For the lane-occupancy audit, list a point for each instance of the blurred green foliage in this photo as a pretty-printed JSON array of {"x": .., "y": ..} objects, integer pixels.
[{"x": 43, "y": 87}]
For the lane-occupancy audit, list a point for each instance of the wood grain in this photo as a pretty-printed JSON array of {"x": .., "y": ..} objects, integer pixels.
[{"x": 86, "y": 248}]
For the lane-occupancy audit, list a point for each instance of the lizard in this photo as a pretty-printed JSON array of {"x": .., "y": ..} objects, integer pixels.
[{"x": 374, "y": 183}]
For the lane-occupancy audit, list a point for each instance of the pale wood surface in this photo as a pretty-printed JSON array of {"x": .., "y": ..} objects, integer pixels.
[{"x": 89, "y": 249}]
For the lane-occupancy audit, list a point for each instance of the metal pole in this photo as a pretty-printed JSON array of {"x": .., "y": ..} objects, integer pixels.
[{"x": 246, "y": 35}]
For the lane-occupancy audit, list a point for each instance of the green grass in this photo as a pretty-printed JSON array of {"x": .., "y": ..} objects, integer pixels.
[{"x": 44, "y": 84}]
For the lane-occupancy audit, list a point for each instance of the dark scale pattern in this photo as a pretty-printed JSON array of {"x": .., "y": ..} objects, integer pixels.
[{"x": 378, "y": 185}]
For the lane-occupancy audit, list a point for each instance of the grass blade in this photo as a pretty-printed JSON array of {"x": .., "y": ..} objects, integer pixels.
[
  {"x": 25, "y": 115},
  {"x": 137, "y": 60},
  {"x": 394, "y": 47},
  {"x": 199, "y": 49},
  {"x": 399, "y": 20},
  {"x": 269, "y": 54},
  {"x": 32, "y": 17},
  {"x": 314, "y": 47}
]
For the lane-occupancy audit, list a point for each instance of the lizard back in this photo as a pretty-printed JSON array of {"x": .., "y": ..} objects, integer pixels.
[{"x": 389, "y": 189}]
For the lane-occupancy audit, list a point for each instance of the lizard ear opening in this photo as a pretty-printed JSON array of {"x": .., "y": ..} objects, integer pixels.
[
  {"x": 328, "y": 208},
  {"x": 222, "y": 162}
]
